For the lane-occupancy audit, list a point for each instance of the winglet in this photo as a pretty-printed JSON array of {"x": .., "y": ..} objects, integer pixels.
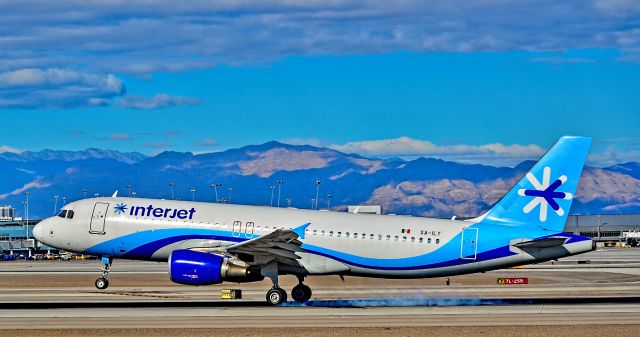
[
  {"x": 115, "y": 194},
  {"x": 300, "y": 230}
]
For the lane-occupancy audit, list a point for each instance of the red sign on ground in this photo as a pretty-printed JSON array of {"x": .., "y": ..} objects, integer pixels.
[{"x": 513, "y": 280}]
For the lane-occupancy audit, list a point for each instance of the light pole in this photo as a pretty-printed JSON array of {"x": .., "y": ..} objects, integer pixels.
[
  {"x": 289, "y": 202},
  {"x": 273, "y": 188},
  {"x": 133, "y": 194},
  {"x": 317, "y": 193},
  {"x": 229, "y": 190},
  {"x": 27, "y": 211},
  {"x": 193, "y": 194},
  {"x": 171, "y": 185},
  {"x": 313, "y": 203},
  {"x": 55, "y": 204},
  {"x": 129, "y": 188},
  {"x": 64, "y": 201},
  {"x": 280, "y": 182},
  {"x": 215, "y": 190},
  {"x": 600, "y": 226},
  {"x": 84, "y": 193},
  {"x": 96, "y": 195},
  {"x": 329, "y": 196}
]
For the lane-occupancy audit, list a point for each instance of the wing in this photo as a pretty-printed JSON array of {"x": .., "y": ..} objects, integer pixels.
[{"x": 280, "y": 245}]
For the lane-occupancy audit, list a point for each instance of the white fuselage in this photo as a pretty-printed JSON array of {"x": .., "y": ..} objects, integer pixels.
[{"x": 334, "y": 242}]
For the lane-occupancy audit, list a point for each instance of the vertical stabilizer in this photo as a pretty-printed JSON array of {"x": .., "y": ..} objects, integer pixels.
[{"x": 542, "y": 198}]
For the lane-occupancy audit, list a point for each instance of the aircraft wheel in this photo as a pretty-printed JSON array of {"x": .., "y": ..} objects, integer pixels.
[
  {"x": 301, "y": 293},
  {"x": 102, "y": 283},
  {"x": 276, "y": 296}
]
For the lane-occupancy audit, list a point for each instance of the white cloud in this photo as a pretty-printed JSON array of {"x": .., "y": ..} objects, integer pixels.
[
  {"x": 495, "y": 154},
  {"x": 42, "y": 40},
  {"x": 9, "y": 149},
  {"x": 206, "y": 143},
  {"x": 38, "y": 183},
  {"x": 159, "y": 101},
  {"x": 56, "y": 88},
  {"x": 116, "y": 137},
  {"x": 613, "y": 156},
  {"x": 143, "y": 37}
]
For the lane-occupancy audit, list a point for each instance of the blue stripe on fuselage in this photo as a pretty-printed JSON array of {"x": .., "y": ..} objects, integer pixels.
[{"x": 143, "y": 245}]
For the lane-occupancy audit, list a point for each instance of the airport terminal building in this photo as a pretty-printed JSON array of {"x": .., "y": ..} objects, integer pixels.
[{"x": 605, "y": 227}]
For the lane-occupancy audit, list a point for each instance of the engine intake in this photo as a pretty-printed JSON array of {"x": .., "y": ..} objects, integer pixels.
[{"x": 198, "y": 268}]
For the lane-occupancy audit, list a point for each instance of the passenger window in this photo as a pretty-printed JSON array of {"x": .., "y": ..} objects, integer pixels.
[
  {"x": 63, "y": 213},
  {"x": 355, "y": 235},
  {"x": 322, "y": 232},
  {"x": 371, "y": 236},
  {"x": 413, "y": 239},
  {"x": 339, "y": 234},
  {"x": 437, "y": 241},
  {"x": 388, "y": 237},
  {"x": 330, "y": 233},
  {"x": 346, "y": 235},
  {"x": 404, "y": 238},
  {"x": 70, "y": 214},
  {"x": 395, "y": 238},
  {"x": 315, "y": 231},
  {"x": 379, "y": 236},
  {"x": 429, "y": 240},
  {"x": 420, "y": 240}
]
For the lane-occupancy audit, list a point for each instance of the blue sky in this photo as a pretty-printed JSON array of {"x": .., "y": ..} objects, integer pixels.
[{"x": 493, "y": 82}]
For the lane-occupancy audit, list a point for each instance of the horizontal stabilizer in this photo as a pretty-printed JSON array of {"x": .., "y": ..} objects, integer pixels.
[{"x": 542, "y": 243}]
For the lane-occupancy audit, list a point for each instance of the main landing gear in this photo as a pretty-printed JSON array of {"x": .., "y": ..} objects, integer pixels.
[
  {"x": 276, "y": 295},
  {"x": 103, "y": 282},
  {"x": 300, "y": 293}
]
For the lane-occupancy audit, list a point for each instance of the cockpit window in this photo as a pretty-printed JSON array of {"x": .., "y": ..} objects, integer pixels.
[
  {"x": 62, "y": 213},
  {"x": 70, "y": 214}
]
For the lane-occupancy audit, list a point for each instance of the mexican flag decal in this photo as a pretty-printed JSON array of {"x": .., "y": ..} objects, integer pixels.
[{"x": 406, "y": 231}]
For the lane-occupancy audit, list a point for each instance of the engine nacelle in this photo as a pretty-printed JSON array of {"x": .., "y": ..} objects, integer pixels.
[{"x": 199, "y": 268}]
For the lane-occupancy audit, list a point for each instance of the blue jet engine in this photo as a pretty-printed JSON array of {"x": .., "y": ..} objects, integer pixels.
[{"x": 198, "y": 268}]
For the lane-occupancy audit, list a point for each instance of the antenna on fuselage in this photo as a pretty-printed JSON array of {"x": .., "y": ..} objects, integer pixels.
[{"x": 115, "y": 194}]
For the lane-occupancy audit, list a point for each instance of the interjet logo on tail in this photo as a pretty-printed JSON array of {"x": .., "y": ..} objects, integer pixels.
[{"x": 545, "y": 194}]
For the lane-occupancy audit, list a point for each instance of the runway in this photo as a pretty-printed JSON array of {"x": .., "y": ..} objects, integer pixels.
[
  {"x": 595, "y": 290},
  {"x": 265, "y": 317}
]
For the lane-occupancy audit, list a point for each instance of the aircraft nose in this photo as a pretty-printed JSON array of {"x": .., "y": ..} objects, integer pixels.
[{"x": 37, "y": 231}]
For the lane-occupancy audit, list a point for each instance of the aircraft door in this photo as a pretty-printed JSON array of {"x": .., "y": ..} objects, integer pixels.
[
  {"x": 98, "y": 218},
  {"x": 469, "y": 244}
]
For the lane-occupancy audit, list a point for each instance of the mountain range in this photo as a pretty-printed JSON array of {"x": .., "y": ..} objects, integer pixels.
[{"x": 421, "y": 187}]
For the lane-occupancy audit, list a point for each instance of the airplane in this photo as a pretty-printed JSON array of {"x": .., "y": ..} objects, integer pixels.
[{"x": 209, "y": 243}]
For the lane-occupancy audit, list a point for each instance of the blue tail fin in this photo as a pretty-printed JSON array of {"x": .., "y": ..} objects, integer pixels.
[{"x": 543, "y": 197}]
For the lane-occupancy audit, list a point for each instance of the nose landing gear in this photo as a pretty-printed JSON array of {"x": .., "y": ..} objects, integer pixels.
[{"x": 102, "y": 282}]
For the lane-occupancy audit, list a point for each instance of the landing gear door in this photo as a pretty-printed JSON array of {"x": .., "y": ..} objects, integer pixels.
[
  {"x": 469, "y": 244},
  {"x": 98, "y": 218}
]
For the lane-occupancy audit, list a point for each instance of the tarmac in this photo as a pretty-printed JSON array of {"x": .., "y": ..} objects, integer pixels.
[{"x": 594, "y": 292}]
